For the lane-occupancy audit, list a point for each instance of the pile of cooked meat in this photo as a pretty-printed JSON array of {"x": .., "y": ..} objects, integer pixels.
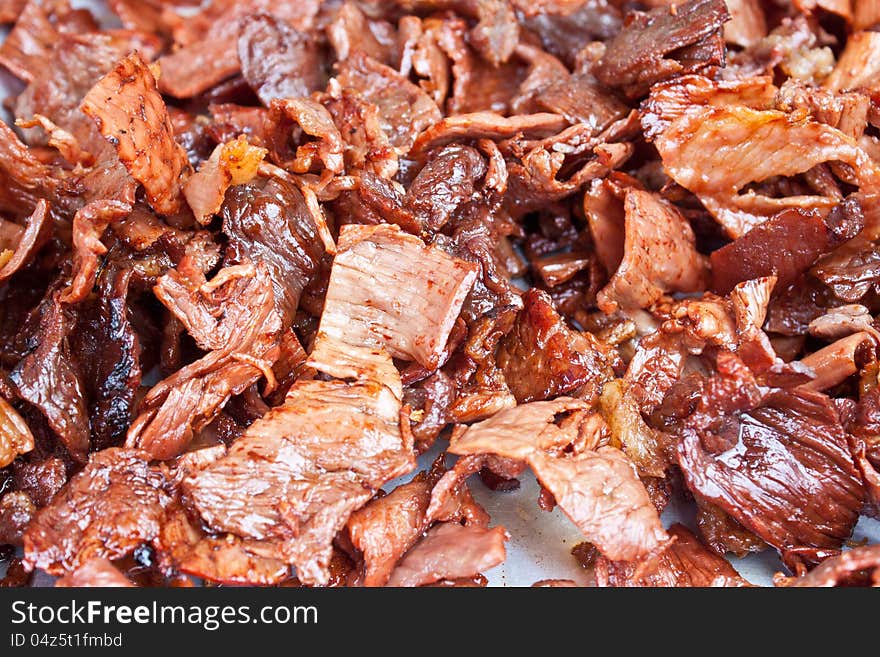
[{"x": 258, "y": 256}]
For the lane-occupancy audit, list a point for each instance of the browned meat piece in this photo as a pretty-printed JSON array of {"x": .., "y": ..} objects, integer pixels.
[
  {"x": 351, "y": 31},
  {"x": 785, "y": 245},
  {"x": 685, "y": 563},
  {"x": 110, "y": 508},
  {"x": 656, "y": 45},
  {"x": 97, "y": 572},
  {"x": 109, "y": 354},
  {"x": 16, "y": 252},
  {"x": 450, "y": 551},
  {"x": 767, "y": 144},
  {"x": 47, "y": 377},
  {"x": 39, "y": 477},
  {"x": 129, "y": 112},
  {"x": 779, "y": 463},
  {"x": 387, "y": 288},
  {"x": 542, "y": 357},
  {"x": 835, "y": 363},
  {"x": 404, "y": 109},
  {"x": 653, "y": 225},
  {"x": 322, "y": 455},
  {"x": 89, "y": 224},
  {"x": 388, "y": 526},
  {"x": 315, "y": 121},
  {"x": 268, "y": 221},
  {"x": 233, "y": 317},
  {"x": 596, "y": 486},
  {"x": 276, "y": 60},
  {"x": 857, "y": 567},
  {"x": 225, "y": 559},
  {"x": 723, "y": 534},
  {"x": 16, "y": 512},
  {"x": 25, "y": 179}
]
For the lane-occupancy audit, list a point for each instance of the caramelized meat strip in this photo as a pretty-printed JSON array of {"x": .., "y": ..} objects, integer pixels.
[
  {"x": 114, "y": 505},
  {"x": 97, "y": 572},
  {"x": 686, "y": 563},
  {"x": 130, "y": 113}
]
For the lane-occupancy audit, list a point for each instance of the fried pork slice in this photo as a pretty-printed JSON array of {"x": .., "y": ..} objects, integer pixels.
[
  {"x": 18, "y": 246},
  {"x": 48, "y": 378},
  {"x": 97, "y": 572},
  {"x": 664, "y": 42},
  {"x": 387, "y": 289},
  {"x": 685, "y": 563},
  {"x": 856, "y": 567},
  {"x": 596, "y": 486},
  {"x": 653, "y": 226},
  {"x": 130, "y": 113},
  {"x": 232, "y": 317},
  {"x": 450, "y": 551},
  {"x": 717, "y": 150},
  {"x": 298, "y": 473},
  {"x": 225, "y": 559},
  {"x": 777, "y": 461},
  {"x": 115, "y": 504},
  {"x": 542, "y": 358},
  {"x": 404, "y": 109}
]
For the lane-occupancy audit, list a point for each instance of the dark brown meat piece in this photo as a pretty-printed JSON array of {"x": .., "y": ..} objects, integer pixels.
[
  {"x": 542, "y": 357},
  {"x": 31, "y": 240},
  {"x": 656, "y": 45},
  {"x": 404, "y": 109},
  {"x": 110, "y": 508},
  {"x": 276, "y": 60},
  {"x": 685, "y": 563},
  {"x": 778, "y": 463},
  {"x": 48, "y": 378},
  {"x": 16, "y": 513},
  {"x": 268, "y": 221},
  {"x": 857, "y": 567}
]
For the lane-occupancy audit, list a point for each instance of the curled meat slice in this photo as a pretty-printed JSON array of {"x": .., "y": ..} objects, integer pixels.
[
  {"x": 48, "y": 378},
  {"x": 542, "y": 357},
  {"x": 860, "y": 566},
  {"x": 115, "y": 504},
  {"x": 653, "y": 226},
  {"x": 298, "y": 473},
  {"x": 233, "y": 317},
  {"x": 685, "y": 563},
  {"x": 388, "y": 289},
  {"x": 16, "y": 253},
  {"x": 315, "y": 121},
  {"x": 130, "y": 113},
  {"x": 716, "y": 152},
  {"x": 450, "y": 551},
  {"x": 597, "y": 488}
]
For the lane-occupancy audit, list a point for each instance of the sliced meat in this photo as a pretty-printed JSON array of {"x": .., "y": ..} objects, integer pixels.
[
  {"x": 16, "y": 512},
  {"x": 652, "y": 224},
  {"x": 853, "y": 568},
  {"x": 388, "y": 289},
  {"x": 276, "y": 60},
  {"x": 542, "y": 358},
  {"x": 28, "y": 243},
  {"x": 450, "y": 551},
  {"x": 129, "y": 112},
  {"x": 109, "y": 509},
  {"x": 596, "y": 486},
  {"x": 664, "y": 42},
  {"x": 685, "y": 563}
]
